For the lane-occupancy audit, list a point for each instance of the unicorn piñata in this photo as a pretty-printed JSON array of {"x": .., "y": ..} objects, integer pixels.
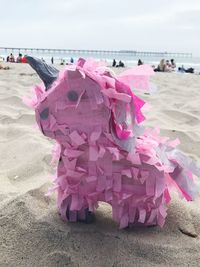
[{"x": 103, "y": 152}]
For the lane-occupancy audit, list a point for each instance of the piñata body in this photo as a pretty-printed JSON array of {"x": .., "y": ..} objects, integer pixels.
[{"x": 103, "y": 153}]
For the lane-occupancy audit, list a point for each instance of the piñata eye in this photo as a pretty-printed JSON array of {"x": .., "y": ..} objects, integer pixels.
[
  {"x": 72, "y": 96},
  {"x": 44, "y": 114}
]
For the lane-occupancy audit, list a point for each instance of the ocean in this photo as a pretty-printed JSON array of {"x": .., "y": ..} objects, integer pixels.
[{"x": 128, "y": 59}]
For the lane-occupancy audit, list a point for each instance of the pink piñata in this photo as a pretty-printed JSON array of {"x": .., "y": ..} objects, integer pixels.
[{"x": 104, "y": 154}]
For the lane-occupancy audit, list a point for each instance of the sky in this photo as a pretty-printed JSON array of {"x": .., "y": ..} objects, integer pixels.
[{"x": 143, "y": 25}]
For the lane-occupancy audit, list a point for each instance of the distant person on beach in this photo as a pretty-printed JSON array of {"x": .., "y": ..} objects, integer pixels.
[
  {"x": 11, "y": 58},
  {"x": 24, "y": 60},
  {"x": 168, "y": 64},
  {"x": 62, "y": 62},
  {"x": 183, "y": 70},
  {"x": 52, "y": 60},
  {"x": 114, "y": 63},
  {"x": 121, "y": 64},
  {"x": 140, "y": 62},
  {"x": 7, "y": 59},
  {"x": 71, "y": 60},
  {"x": 163, "y": 66},
  {"x": 173, "y": 64},
  {"x": 19, "y": 58}
]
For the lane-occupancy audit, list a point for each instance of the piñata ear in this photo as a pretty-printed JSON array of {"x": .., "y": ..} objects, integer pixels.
[{"x": 47, "y": 74}]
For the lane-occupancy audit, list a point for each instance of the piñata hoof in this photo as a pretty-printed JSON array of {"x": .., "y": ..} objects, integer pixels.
[{"x": 84, "y": 216}]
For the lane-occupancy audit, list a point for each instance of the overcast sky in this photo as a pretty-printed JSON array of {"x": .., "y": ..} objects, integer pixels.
[{"x": 145, "y": 25}]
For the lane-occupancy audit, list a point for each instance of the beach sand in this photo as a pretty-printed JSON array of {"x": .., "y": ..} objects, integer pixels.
[{"x": 31, "y": 231}]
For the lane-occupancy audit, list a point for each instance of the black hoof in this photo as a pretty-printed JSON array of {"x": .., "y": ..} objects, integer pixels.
[
  {"x": 89, "y": 216},
  {"x": 152, "y": 225}
]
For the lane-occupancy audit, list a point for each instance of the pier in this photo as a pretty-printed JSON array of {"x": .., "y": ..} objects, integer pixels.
[{"x": 131, "y": 53}]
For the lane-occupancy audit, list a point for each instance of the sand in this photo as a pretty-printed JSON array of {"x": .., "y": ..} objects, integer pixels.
[{"x": 31, "y": 231}]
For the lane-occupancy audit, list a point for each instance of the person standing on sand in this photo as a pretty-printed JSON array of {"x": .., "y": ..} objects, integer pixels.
[
  {"x": 114, "y": 63},
  {"x": 140, "y": 62},
  {"x": 11, "y": 58},
  {"x": 52, "y": 60}
]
